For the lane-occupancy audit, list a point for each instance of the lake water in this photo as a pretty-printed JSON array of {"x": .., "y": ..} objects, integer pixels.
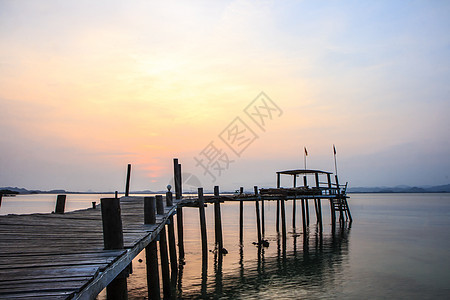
[{"x": 398, "y": 247}]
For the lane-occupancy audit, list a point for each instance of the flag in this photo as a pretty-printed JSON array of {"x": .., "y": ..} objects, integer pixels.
[
  {"x": 306, "y": 152},
  {"x": 334, "y": 149}
]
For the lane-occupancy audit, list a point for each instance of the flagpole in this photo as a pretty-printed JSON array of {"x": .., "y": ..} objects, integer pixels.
[{"x": 305, "y": 154}]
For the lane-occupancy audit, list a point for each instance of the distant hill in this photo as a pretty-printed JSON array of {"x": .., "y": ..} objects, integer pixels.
[{"x": 402, "y": 189}]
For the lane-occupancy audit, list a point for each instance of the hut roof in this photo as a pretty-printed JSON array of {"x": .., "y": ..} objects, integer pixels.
[{"x": 303, "y": 171}]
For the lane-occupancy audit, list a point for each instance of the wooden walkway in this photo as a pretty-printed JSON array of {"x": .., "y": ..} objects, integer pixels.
[{"x": 61, "y": 256}]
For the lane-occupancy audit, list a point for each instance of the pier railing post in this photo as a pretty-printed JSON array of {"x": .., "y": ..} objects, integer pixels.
[
  {"x": 151, "y": 252},
  {"x": 165, "y": 272},
  {"x": 218, "y": 221},
  {"x": 60, "y": 204},
  {"x": 127, "y": 186},
  {"x": 113, "y": 239}
]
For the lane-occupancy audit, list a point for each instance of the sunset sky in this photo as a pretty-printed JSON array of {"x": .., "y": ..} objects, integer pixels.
[{"x": 87, "y": 87}]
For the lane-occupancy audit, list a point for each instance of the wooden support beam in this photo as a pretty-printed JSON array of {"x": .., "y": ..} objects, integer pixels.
[
  {"x": 172, "y": 243},
  {"x": 333, "y": 212},
  {"x": 60, "y": 204},
  {"x": 178, "y": 194},
  {"x": 218, "y": 222},
  {"x": 294, "y": 203},
  {"x": 241, "y": 218},
  {"x": 167, "y": 289},
  {"x": 151, "y": 252},
  {"x": 277, "y": 219},
  {"x": 127, "y": 186},
  {"x": 201, "y": 210},
  {"x": 283, "y": 221},
  {"x": 258, "y": 220},
  {"x": 303, "y": 216},
  {"x": 113, "y": 239}
]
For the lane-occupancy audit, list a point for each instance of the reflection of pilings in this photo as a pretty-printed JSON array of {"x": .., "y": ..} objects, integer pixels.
[
  {"x": 218, "y": 260},
  {"x": 204, "y": 278}
]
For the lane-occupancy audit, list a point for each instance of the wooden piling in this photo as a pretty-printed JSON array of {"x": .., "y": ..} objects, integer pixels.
[
  {"x": 258, "y": 220},
  {"x": 319, "y": 204},
  {"x": 277, "y": 219},
  {"x": 333, "y": 212},
  {"x": 305, "y": 184},
  {"x": 113, "y": 239},
  {"x": 60, "y": 204},
  {"x": 159, "y": 205},
  {"x": 178, "y": 195},
  {"x": 262, "y": 218},
  {"x": 94, "y": 205},
  {"x": 167, "y": 290},
  {"x": 294, "y": 204},
  {"x": 283, "y": 220},
  {"x": 1, "y": 196},
  {"x": 241, "y": 218},
  {"x": 172, "y": 243},
  {"x": 341, "y": 211},
  {"x": 127, "y": 186},
  {"x": 201, "y": 210},
  {"x": 303, "y": 215},
  {"x": 151, "y": 252},
  {"x": 116, "y": 194},
  {"x": 218, "y": 222}
]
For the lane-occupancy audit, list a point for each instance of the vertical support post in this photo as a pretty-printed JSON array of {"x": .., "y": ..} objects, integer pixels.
[
  {"x": 172, "y": 244},
  {"x": 278, "y": 180},
  {"x": 164, "y": 252},
  {"x": 241, "y": 218},
  {"x": 294, "y": 203},
  {"x": 305, "y": 184},
  {"x": 201, "y": 210},
  {"x": 60, "y": 204},
  {"x": 94, "y": 204},
  {"x": 127, "y": 186},
  {"x": 303, "y": 216},
  {"x": 218, "y": 221},
  {"x": 341, "y": 211},
  {"x": 151, "y": 251},
  {"x": 1, "y": 196},
  {"x": 178, "y": 194},
  {"x": 283, "y": 220},
  {"x": 262, "y": 217},
  {"x": 319, "y": 204},
  {"x": 277, "y": 220},
  {"x": 112, "y": 240},
  {"x": 333, "y": 213},
  {"x": 258, "y": 220},
  {"x": 116, "y": 194}
]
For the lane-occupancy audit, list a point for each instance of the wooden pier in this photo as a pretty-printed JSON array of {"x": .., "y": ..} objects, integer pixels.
[{"x": 75, "y": 255}]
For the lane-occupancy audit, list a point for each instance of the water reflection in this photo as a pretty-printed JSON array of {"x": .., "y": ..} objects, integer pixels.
[{"x": 315, "y": 264}]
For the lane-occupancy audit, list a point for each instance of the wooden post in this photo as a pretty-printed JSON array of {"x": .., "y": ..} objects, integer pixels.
[
  {"x": 277, "y": 220},
  {"x": 294, "y": 203},
  {"x": 94, "y": 204},
  {"x": 116, "y": 195},
  {"x": 172, "y": 243},
  {"x": 113, "y": 239},
  {"x": 163, "y": 250},
  {"x": 262, "y": 217},
  {"x": 341, "y": 211},
  {"x": 283, "y": 220},
  {"x": 178, "y": 194},
  {"x": 201, "y": 210},
  {"x": 149, "y": 210},
  {"x": 258, "y": 220},
  {"x": 333, "y": 213},
  {"x": 241, "y": 218},
  {"x": 1, "y": 196},
  {"x": 278, "y": 180},
  {"x": 60, "y": 204},
  {"x": 159, "y": 205},
  {"x": 319, "y": 204},
  {"x": 305, "y": 184},
  {"x": 303, "y": 216},
  {"x": 127, "y": 187},
  {"x": 151, "y": 252},
  {"x": 218, "y": 222}
]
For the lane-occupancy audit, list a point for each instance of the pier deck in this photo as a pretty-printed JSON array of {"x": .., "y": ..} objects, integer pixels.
[{"x": 61, "y": 256}]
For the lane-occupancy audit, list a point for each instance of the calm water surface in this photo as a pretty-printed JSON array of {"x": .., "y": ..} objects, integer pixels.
[{"x": 398, "y": 247}]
